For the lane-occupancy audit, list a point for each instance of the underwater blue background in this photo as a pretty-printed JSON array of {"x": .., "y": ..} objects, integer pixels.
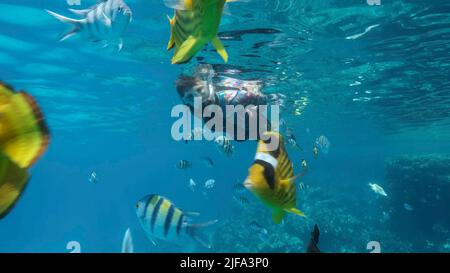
[{"x": 376, "y": 93}]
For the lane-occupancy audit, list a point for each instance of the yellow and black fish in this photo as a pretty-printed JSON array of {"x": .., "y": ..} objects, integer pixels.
[
  {"x": 271, "y": 177},
  {"x": 161, "y": 219},
  {"x": 24, "y": 137},
  {"x": 195, "y": 23}
]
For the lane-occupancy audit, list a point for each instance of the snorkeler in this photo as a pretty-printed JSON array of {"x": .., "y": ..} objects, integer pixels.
[{"x": 241, "y": 93}]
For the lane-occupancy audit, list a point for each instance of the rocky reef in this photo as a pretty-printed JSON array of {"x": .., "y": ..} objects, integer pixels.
[
  {"x": 341, "y": 230},
  {"x": 419, "y": 200}
]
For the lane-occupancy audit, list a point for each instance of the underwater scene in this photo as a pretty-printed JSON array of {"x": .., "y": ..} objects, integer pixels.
[{"x": 116, "y": 130}]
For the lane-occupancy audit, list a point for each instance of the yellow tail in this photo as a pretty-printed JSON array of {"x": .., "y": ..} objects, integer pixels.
[{"x": 296, "y": 211}]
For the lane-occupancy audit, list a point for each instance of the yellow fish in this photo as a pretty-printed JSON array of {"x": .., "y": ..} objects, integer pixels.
[
  {"x": 271, "y": 178},
  {"x": 195, "y": 23},
  {"x": 23, "y": 139}
]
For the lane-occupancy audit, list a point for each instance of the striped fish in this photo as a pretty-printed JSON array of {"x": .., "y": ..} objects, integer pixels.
[
  {"x": 161, "y": 219},
  {"x": 195, "y": 23},
  {"x": 271, "y": 178},
  {"x": 183, "y": 164},
  {"x": 106, "y": 21}
]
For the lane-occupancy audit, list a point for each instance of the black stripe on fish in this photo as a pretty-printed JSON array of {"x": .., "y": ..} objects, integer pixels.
[
  {"x": 168, "y": 219},
  {"x": 290, "y": 196},
  {"x": 269, "y": 172},
  {"x": 179, "y": 224},
  {"x": 155, "y": 212}
]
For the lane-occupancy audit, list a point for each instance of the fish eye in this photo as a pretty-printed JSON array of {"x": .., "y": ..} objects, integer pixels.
[{"x": 137, "y": 205}]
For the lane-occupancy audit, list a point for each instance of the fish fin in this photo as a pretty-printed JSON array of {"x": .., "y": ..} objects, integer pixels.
[
  {"x": 187, "y": 50},
  {"x": 295, "y": 211},
  {"x": 69, "y": 34},
  {"x": 314, "y": 240},
  {"x": 106, "y": 20},
  {"x": 80, "y": 12},
  {"x": 195, "y": 231},
  {"x": 220, "y": 48},
  {"x": 65, "y": 19},
  {"x": 292, "y": 179},
  {"x": 13, "y": 180},
  {"x": 120, "y": 45},
  {"x": 277, "y": 216},
  {"x": 127, "y": 242},
  {"x": 191, "y": 213},
  {"x": 171, "y": 43}
]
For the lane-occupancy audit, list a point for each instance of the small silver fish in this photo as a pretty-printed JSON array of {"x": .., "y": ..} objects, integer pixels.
[
  {"x": 377, "y": 189},
  {"x": 192, "y": 184},
  {"x": 209, "y": 184},
  {"x": 107, "y": 21},
  {"x": 183, "y": 164},
  {"x": 93, "y": 177},
  {"x": 408, "y": 207}
]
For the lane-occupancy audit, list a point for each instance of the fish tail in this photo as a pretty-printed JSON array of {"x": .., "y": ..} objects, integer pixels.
[
  {"x": 13, "y": 180},
  {"x": 277, "y": 216},
  {"x": 75, "y": 22},
  {"x": 196, "y": 232}
]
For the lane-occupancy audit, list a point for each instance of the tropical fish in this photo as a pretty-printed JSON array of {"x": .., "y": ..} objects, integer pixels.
[
  {"x": 271, "y": 177},
  {"x": 106, "y": 21},
  {"x": 224, "y": 145},
  {"x": 208, "y": 161},
  {"x": 377, "y": 189},
  {"x": 127, "y": 242},
  {"x": 93, "y": 177},
  {"x": 192, "y": 184},
  {"x": 290, "y": 137},
  {"x": 183, "y": 164},
  {"x": 304, "y": 165},
  {"x": 323, "y": 143},
  {"x": 161, "y": 219},
  {"x": 408, "y": 207},
  {"x": 314, "y": 240},
  {"x": 301, "y": 186},
  {"x": 24, "y": 137},
  {"x": 315, "y": 151},
  {"x": 209, "y": 184},
  {"x": 195, "y": 23}
]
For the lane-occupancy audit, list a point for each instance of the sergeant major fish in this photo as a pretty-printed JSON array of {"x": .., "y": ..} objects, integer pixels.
[
  {"x": 183, "y": 164},
  {"x": 106, "y": 21},
  {"x": 271, "y": 178},
  {"x": 161, "y": 219}
]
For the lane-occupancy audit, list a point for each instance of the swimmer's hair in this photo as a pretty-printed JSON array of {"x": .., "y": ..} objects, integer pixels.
[{"x": 185, "y": 83}]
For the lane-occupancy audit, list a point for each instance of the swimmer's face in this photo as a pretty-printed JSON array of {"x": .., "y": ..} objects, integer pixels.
[{"x": 196, "y": 91}]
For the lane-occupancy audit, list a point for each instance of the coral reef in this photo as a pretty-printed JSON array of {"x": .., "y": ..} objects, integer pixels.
[{"x": 419, "y": 189}]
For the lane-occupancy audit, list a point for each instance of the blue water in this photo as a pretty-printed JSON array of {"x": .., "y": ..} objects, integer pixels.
[{"x": 376, "y": 95}]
